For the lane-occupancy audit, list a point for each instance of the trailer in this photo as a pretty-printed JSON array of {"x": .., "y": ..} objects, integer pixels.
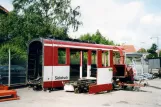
[
  {"x": 6, "y": 94},
  {"x": 50, "y": 65}
]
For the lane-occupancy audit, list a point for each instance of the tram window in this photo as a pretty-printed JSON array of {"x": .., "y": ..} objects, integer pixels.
[
  {"x": 94, "y": 58},
  {"x": 85, "y": 56},
  {"x": 62, "y": 56},
  {"x": 116, "y": 58},
  {"x": 75, "y": 57},
  {"x": 105, "y": 59}
]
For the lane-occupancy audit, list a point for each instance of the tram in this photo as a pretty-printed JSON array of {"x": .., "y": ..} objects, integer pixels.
[{"x": 53, "y": 62}]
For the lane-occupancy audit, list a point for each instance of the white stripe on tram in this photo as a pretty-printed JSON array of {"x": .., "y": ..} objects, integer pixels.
[{"x": 78, "y": 47}]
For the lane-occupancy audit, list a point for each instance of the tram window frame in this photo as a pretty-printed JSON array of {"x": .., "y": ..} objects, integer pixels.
[
  {"x": 74, "y": 54},
  {"x": 93, "y": 57},
  {"x": 105, "y": 53},
  {"x": 65, "y": 59},
  {"x": 101, "y": 61}
]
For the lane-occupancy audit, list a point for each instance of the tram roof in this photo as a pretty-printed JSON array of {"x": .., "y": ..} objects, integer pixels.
[{"x": 76, "y": 44}]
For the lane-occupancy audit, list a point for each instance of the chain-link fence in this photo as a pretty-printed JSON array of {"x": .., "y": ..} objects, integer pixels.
[{"x": 13, "y": 69}]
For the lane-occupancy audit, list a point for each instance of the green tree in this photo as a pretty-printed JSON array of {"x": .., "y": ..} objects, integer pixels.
[
  {"x": 55, "y": 13},
  {"x": 96, "y": 38},
  {"x": 18, "y": 56},
  {"x": 33, "y": 19},
  {"x": 142, "y": 50},
  {"x": 152, "y": 51},
  {"x": 38, "y": 18}
]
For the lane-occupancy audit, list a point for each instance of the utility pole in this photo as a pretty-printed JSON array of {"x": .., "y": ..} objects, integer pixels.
[
  {"x": 157, "y": 43},
  {"x": 9, "y": 68}
]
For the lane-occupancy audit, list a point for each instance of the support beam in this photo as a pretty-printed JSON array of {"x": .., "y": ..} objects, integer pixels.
[
  {"x": 81, "y": 64},
  {"x": 110, "y": 58},
  {"x": 89, "y": 63},
  {"x": 9, "y": 68},
  {"x": 68, "y": 56},
  {"x": 99, "y": 58},
  {"x": 105, "y": 58}
]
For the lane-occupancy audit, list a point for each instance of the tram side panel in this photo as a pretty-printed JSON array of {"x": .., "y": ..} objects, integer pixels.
[
  {"x": 48, "y": 66},
  {"x": 55, "y": 74},
  {"x": 61, "y": 71},
  {"x": 104, "y": 76}
]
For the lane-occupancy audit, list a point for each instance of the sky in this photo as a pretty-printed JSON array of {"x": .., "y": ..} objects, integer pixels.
[{"x": 123, "y": 21}]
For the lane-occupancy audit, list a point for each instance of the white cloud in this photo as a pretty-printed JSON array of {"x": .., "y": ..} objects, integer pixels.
[
  {"x": 147, "y": 19},
  {"x": 151, "y": 19},
  {"x": 150, "y": 26},
  {"x": 6, "y": 4},
  {"x": 122, "y": 23}
]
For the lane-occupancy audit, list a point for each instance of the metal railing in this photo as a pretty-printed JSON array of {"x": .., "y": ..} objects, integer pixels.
[{"x": 13, "y": 69}]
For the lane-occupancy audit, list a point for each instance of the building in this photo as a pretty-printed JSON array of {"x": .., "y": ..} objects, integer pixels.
[{"x": 129, "y": 48}]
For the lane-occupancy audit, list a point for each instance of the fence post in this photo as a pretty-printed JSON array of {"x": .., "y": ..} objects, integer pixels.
[{"x": 9, "y": 68}]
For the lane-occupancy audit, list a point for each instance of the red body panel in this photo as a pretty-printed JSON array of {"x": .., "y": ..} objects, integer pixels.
[
  {"x": 48, "y": 56},
  {"x": 54, "y": 84},
  {"x": 99, "y": 88},
  {"x": 111, "y": 57},
  {"x": 99, "y": 59},
  {"x": 89, "y": 61}
]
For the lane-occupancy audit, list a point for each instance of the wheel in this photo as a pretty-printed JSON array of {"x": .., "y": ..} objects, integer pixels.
[
  {"x": 45, "y": 89},
  {"x": 133, "y": 88},
  {"x": 114, "y": 85},
  {"x": 50, "y": 91},
  {"x": 34, "y": 88},
  {"x": 76, "y": 90},
  {"x": 136, "y": 88},
  {"x": 124, "y": 87},
  {"x": 144, "y": 82}
]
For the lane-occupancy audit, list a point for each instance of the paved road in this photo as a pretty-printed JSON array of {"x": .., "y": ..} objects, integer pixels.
[{"x": 148, "y": 97}]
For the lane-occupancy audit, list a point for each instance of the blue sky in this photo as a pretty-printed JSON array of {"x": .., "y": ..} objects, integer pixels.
[
  {"x": 123, "y": 21},
  {"x": 150, "y": 5}
]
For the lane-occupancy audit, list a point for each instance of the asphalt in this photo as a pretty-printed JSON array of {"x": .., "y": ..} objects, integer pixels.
[{"x": 149, "y": 96}]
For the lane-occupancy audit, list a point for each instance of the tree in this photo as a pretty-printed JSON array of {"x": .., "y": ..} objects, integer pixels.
[
  {"x": 33, "y": 19},
  {"x": 96, "y": 38},
  {"x": 55, "y": 13},
  {"x": 152, "y": 51},
  {"x": 142, "y": 50},
  {"x": 38, "y": 18},
  {"x": 18, "y": 56}
]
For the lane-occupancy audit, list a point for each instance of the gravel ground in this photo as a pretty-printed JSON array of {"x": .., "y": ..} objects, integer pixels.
[{"x": 147, "y": 97}]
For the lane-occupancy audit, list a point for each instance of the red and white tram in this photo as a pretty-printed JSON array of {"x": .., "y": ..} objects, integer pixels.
[{"x": 50, "y": 63}]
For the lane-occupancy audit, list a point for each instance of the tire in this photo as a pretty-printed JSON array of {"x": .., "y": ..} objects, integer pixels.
[
  {"x": 76, "y": 90},
  {"x": 45, "y": 89},
  {"x": 124, "y": 87}
]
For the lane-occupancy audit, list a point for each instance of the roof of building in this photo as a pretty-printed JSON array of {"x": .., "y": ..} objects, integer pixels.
[
  {"x": 3, "y": 10},
  {"x": 129, "y": 48}
]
